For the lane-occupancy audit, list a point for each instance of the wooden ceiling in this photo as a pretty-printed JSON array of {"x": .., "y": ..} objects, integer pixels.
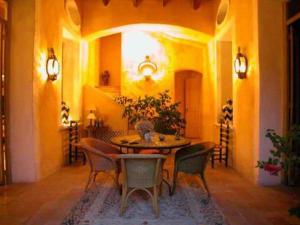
[{"x": 196, "y": 3}]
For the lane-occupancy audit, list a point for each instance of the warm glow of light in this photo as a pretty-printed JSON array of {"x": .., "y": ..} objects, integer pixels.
[
  {"x": 84, "y": 56},
  {"x": 69, "y": 35},
  {"x": 42, "y": 66},
  {"x": 52, "y": 67},
  {"x": 175, "y": 31},
  {"x": 135, "y": 46}
]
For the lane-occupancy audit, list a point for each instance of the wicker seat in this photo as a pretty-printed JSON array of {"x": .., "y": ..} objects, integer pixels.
[
  {"x": 193, "y": 160},
  {"x": 141, "y": 172},
  {"x": 102, "y": 157}
]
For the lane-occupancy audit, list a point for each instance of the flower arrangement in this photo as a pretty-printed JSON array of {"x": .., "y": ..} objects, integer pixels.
[
  {"x": 143, "y": 127},
  {"x": 282, "y": 156},
  {"x": 159, "y": 110}
]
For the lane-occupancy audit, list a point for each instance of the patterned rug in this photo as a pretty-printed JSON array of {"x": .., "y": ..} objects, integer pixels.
[{"x": 188, "y": 206}]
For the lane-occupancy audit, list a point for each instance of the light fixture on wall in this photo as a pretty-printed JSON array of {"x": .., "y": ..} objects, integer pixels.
[
  {"x": 241, "y": 65},
  {"x": 52, "y": 65},
  {"x": 147, "y": 68}
]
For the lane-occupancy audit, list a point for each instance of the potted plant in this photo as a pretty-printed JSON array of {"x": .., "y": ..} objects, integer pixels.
[
  {"x": 159, "y": 110},
  {"x": 284, "y": 158}
]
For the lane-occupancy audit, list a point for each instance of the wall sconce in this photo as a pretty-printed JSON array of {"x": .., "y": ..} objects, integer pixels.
[
  {"x": 52, "y": 65},
  {"x": 147, "y": 68},
  {"x": 241, "y": 65}
]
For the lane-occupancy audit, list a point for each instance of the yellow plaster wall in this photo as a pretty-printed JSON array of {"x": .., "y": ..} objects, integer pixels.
[
  {"x": 171, "y": 55},
  {"x": 110, "y": 55},
  {"x": 47, "y": 94},
  {"x": 98, "y": 17},
  {"x": 259, "y": 100},
  {"x": 106, "y": 109},
  {"x": 21, "y": 130},
  {"x": 273, "y": 78},
  {"x": 246, "y": 91}
]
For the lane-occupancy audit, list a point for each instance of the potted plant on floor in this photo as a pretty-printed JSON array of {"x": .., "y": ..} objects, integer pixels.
[
  {"x": 159, "y": 110},
  {"x": 283, "y": 158}
]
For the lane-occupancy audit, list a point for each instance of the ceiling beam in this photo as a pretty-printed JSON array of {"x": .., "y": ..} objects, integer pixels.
[
  {"x": 105, "y": 2},
  {"x": 196, "y": 4},
  {"x": 165, "y": 2},
  {"x": 135, "y": 3}
]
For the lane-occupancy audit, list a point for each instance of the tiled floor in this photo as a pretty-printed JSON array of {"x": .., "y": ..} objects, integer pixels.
[{"x": 48, "y": 201}]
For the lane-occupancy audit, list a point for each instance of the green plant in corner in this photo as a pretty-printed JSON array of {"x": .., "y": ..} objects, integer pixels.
[
  {"x": 160, "y": 110},
  {"x": 284, "y": 158}
]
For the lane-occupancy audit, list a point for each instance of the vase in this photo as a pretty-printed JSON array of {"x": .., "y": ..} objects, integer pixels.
[{"x": 142, "y": 127}]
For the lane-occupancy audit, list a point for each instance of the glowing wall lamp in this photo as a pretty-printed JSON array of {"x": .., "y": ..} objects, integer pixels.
[
  {"x": 52, "y": 65},
  {"x": 147, "y": 68},
  {"x": 241, "y": 65}
]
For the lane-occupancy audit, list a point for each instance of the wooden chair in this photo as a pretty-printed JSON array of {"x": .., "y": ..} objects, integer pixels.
[
  {"x": 102, "y": 157},
  {"x": 221, "y": 151},
  {"x": 193, "y": 160},
  {"x": 73, "y": 141},
  {"x": 141, "y": 172}
]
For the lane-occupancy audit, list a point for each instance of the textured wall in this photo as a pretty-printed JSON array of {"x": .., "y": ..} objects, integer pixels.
[
  {"x": 22, "y": 142},
  {"x": 170, "y": 54}
]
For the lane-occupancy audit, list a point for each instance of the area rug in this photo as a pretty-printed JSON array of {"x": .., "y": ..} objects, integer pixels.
[{"x": 188, "y": 206}]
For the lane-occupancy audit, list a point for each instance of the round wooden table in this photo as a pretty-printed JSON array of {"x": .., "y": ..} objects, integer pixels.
[{"x": 135, "y": 142}]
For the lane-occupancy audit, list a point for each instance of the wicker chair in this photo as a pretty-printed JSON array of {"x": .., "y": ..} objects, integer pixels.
[
  {"x": 102, "y": 157},
  {"x": 141, "y": 172},
  {"x": 193, "y": 160}
]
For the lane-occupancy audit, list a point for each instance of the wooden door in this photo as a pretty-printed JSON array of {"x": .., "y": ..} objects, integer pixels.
[{"x": 192, "y": 101}]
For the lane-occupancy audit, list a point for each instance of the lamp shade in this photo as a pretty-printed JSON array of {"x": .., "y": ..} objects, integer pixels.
[{"x": 91, "y": 116}]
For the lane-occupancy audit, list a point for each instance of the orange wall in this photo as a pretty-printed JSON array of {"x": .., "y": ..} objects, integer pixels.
[
  {"x": 35, "y": 137},
  {"x": 47, "y": 100},
  {"x": 170, "y": 54},
  {"x": 21, "y": 129},
  {"x": 273, "y": 76},
  {"x": 110, "y": 58},
  {"x": 259, "y": 100},
  {"x": 98, "y": 17}
]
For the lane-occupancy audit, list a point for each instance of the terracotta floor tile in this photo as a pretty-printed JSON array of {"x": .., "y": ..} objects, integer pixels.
[{"x": 48, "y": 201}]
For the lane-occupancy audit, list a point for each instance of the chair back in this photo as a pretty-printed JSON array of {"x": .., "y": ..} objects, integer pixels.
[
  {"x": 224, "y": 135},
  {"x": 142, "y": 170},
  {"x": 194, "y": 158},
  {"x": 99, "y": 154}
]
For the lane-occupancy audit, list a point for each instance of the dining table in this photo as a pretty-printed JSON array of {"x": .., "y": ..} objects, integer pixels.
[
  {"x": 161, "y": 142},
  {"x": 158, "y": 142}
]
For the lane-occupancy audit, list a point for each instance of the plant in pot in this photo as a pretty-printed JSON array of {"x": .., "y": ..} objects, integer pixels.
[
  {"x": 283, "y": 158},
  {"x": 158, "y": 110}
]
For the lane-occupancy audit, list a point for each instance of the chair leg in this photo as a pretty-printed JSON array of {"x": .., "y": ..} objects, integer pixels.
[
  {"x": 117, "y": 174},
  {"x": 212, "y": 161},
  {"x": 160, "y": 189},
  {"x": 174, "y": 182},
  {"x": 123, "y": 200},
  {"x": 84, "y": 158},
  {"x": 89, "y": 181},
  {"x": 155, "y": 200},
  {"x": 205, "y": 184},
  {"x": 226, "y": 159}
]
